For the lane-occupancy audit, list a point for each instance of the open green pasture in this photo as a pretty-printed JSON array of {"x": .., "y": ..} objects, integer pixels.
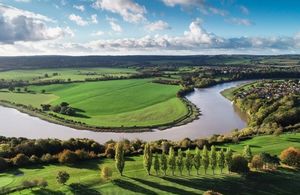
[
  {"x": 75, "y": 74},
  {"x": 85, "y": 176},
  {"x": 128, "y": 103}
]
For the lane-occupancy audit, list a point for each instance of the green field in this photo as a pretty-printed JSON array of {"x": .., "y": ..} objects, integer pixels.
[
  {"x": 128, "y": 103},
  {"x": 75, "y": 74},
  {"x": 85, "y": 176}
]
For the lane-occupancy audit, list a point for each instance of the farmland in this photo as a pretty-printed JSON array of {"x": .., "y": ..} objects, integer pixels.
[
  {"x": 74, "y": 74},
  {"x": 136, "y": 102}
]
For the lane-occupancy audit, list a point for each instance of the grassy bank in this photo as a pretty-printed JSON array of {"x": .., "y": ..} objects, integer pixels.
[
  {"x": 85, "y": 176},
  {"x": 118, "y": 104}
]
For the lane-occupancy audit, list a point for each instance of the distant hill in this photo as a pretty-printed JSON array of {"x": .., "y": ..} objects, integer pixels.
[{"x": 32, "y": 62}]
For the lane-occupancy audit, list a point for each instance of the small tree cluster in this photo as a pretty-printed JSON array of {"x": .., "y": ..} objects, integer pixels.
[{"x": 62, "y": 177}]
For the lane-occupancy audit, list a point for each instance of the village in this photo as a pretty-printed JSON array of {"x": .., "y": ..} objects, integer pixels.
[{"x": 268, "y": 89}]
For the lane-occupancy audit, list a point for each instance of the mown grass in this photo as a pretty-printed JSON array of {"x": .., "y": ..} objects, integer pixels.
[
  {"x": 85, "y": 176},
  {"x": 75, "y": 74},
  {"x": 128, "y": 103}
]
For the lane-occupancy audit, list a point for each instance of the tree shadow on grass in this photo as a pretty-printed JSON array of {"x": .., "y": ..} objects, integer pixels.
[
  {"x": 16, "y": 172},
  {"x": 294, "y": 139},
  {"x": 87, "y": 164},
  {"x": 169, "y": 189},
  {"x": 46, "y": 191},
  {"x": 132, "y": 187},
  {"x": 78, "y": 188},
  {"x": 255, "y": 183}
]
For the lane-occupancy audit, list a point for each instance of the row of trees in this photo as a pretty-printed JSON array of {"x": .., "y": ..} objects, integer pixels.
[
  {"x": 65, "y": 157},
  {"x": 212, "y": 159},
  {"x": 187, "y": 160}
]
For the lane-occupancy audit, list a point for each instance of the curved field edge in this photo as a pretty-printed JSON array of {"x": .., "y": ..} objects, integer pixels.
[{"x": 188, "y": 113}]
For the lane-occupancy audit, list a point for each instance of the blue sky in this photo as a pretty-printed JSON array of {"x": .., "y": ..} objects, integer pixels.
[{"x": 125, "y": 27}]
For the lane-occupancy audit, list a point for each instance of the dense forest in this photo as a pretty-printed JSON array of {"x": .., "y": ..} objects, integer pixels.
[{"x": 33, "y": 62}]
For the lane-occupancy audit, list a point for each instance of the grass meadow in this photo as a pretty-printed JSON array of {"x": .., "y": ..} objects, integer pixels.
[
  {"x": 85, "y": 176},
  {"x": 128, "y": 103}
]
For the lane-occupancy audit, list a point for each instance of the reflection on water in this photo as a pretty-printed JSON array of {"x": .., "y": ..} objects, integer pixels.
[
  {"x": 218, "y": 117},
  {"x": 241, "y": 114}
]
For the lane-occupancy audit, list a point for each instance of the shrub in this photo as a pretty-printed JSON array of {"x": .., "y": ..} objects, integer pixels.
[
  {"x": 42, "y": 183},
  {"x": 239, "y": 165},
  {"x": 47, "y": 158},
  {"x": 106, "y": 172},
  {"x": 67, "y": 156},
  {"x": 20, "y": 160},
  {"x": 3, "y": 164},
  {"x": 291, "y": 157},
  {"x": 210, "y": 192},
  {"x": 62, "y": 177},
  {"x": 34, "y": 159},
  {"x": 82, "y": 154},
  {"x": 257, "y": 162},
  {"x": 110, "y": 151},
  {"x": 28, "y": 184}
]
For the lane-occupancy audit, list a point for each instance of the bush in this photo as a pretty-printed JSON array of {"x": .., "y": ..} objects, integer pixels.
[
  {"x": 62, "y": 177},
  {"x": 29, "y": 184},
  {"x": 20, "y": 160},
  {"x": 42, "y": 183},
  {"x": 239, "y": 165},
  {"x": 34, "y": 159},
  {"x": 47, "y": 158},
  {"x": 3, "y": 164},
  {"x": 106, "y": 172},
  {"x": 210, "y": 192},
  {"x": 82, "y": 154},
  {"x": 257, "y": 162},
  {"x": 67, "y": 156},
  {"x": 291, "y": 157}
]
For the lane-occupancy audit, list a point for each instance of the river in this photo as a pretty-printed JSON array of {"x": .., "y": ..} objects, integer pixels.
[{"x": 218, "y": 117}]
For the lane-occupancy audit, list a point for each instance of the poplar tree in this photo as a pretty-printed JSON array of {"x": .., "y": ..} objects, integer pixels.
[
  {"x": 189, "y": 161},
  {"x": 164, "y": 163},
  {"x": 179, "y": 161},
  {"x": 119, "y": 157},
  {"x": 172, "y": 160},
  {"x": 228, "y": 158},
  {"x": 197, "y": 160},
  {"x": 213, "y": 158},
  {"x": 156, "y": 164},
  {"x": 221, "y": 160},
  {"x": 205, "y": 159},
  {"x": 247, "y": 153},
  {"x": 147, "y": 158}
]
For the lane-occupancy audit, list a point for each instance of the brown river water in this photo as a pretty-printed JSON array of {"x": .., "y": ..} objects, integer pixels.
[{"x": 219, "y": 116}]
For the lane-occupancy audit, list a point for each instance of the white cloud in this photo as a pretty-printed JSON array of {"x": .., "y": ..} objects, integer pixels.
[
  {"x": 78, "y": 20},
  {"x": 239, "y": 21},
  {"x": 114, "y": 25},
  {"x": 158, "y": 25},
  {"x": 82, "y": 22},
  {"x": 202, "y": 5},
  {"x": 23, "y": 1},
  {"x": 128, "y": 9},
  {"x": 187, "y": 3},
  {"x": 94, "y": 19},
  {"x": 195, "y": 40},
  {"x": 21, "y": 25},
  {"x": 244, "y": 10},
  {"x": 79, "y": 7},
  {"x": 97, "y": 33}
]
